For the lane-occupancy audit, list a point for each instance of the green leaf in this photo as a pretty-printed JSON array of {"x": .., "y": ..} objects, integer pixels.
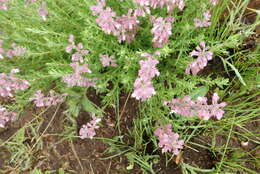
[
  {"x": 235, "y": 70},
  {"x": 19, "y": 137},
  {"x": 199, "y": 92},
  {"x": 88, "y": 106}
]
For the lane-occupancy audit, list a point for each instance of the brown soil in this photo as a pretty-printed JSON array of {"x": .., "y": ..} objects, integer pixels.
[{"x": 77, "y": 155}]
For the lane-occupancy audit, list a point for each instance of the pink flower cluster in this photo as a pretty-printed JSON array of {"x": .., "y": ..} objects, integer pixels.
[
  {"x": 10, "y": 53},
  {"x": 79, "y": 51},
  {"x": 6, "y": 116},
  {"x": 10, "y": 84},
  {"x": 43, "y": 12},
  {"x": 77, "y": 78},
  {"x": 128, "y": 26},
  {"x": 170, "y": 4},
  {"x": 203, "y": 57},
  {"x": 162, "y": 29},
  {"x": 124, "y": 27},
  {"x": 168, "y": 140},
  {"x": 200, "y": 107},
  {"x": 52, "y": 99},
  {"x": 3, "y": 4},
  {"x": 143, "y": 86},
  {"x": 88, "y": 130},
  {"x": 205, "y": 22},
  {"x": 107, "y": 60}
]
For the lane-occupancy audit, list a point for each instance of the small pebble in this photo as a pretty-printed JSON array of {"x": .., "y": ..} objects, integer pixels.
[{"x": 244, "y": 144}]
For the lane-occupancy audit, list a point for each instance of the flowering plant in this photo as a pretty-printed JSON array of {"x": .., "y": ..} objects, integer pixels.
[
  {"x": 143, "y": 85},
  {"x": 186, "y": 107},
  {"x": 52, "y": 99},
  {"x": 9, "y": 84},
  {"x": 107, "y": 60},
  {"x": 168, "y": 140},
  {"x": 80, "y": 52},
  {"x": 6, "y": 116},
  {"x": 203, "y": 54},
  {"x": 88, "y": 130}
]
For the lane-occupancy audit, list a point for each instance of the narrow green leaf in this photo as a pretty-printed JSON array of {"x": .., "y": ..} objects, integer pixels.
[{"x": 236, "y": 71}]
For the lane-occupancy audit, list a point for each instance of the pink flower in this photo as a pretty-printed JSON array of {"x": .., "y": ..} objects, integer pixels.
[
  {"x": 205, "y": 22},
  {"x": 42, "y": 11},
  {"x": 106, "y": 18},
  {"x": 200, "y": 108},
  {"x": 203, "y": 57},
  {"x": 170, "y": 4},
  {"x": 9, "y": 84},
  {"x": 128, "y": 26},
  {"x": 16, "y": 51},
  {"x": 78, "y": 69},
  {"x": 161, "y": 30},
  {"x": 80, "y": 52},
  {"x": 52, "y": 99},
  {"x": 88, "y": 130},
  {"x": 123, "y": 27},
  {"x": 143, "y": 89},
  {"x": 3, "y": 4},
  {"x": 6, "y": 116},
  {"x": 107, "y": 60},
  {"x": 168, "y": 140},
  {"x": 148, "y": 69},
  {"x": 141, "y": 12},
  {"x": 77, "y": 78}
]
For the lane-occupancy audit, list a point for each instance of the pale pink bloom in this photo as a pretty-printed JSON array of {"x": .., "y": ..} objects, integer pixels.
[
  {"x": 79, "y": 51},
  {"x": 15, "y": 51},
  {"x": 6, "y": 116},
  {"x": 200, "y": 107},
  {"x": 3, "y": 4},
  {"x": 128, "y": 26},
  {"x": 148, "y": 69},
  {"x": 77, "y": 78},
  {"x": 168, "y": 140},
  {"x": 9, "y": 84},
  {"x": 106, "y": 18},
  {"x": 123, "y": 27},
  {"x": 88, "y": 130},
  {"x": 162, "y": 29},
  {"x": 77, "y": 57},
  {"x": 205, "y": 22},
  {"x": 42, "y": 11},
  {"x": 51, "y": 99},
  {"x": 97, "y": 9},
  {"x": 203, "y": 57},
  {"x": 71, "y": 39},
  {"x": 80, "y": 68},
  {"x": 143, "y": 89},
  {"x": 170, "y": 4},
  {"x": 107, "y": 60},
  {"x": 141, "y": 12}
]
